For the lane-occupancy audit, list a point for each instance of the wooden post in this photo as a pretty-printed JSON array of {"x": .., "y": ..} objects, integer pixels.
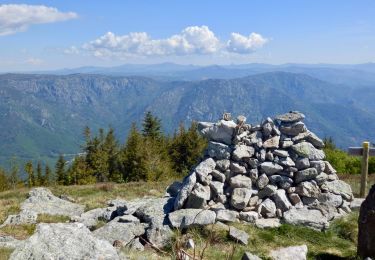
[{"x": 364, "y": 172}]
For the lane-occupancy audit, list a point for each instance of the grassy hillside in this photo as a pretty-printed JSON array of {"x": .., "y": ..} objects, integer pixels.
[{"x": 338, "y": 241}]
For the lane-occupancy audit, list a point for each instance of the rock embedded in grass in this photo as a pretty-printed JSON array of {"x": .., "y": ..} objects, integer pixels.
[{"x": 238, "y": 235}]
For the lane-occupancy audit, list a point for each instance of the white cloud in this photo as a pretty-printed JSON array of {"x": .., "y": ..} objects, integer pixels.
[
  {"x": 191, "y": 40},
  {"x": 245, "y": 44},
  {"x": 34, "y": 61},
  {"x": 18, "y": 17}
]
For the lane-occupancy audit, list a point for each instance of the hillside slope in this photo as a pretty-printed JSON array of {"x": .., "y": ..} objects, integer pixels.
[{"x": 44, "y": 115}]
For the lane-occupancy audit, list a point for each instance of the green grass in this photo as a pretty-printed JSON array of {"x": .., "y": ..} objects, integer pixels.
[
  {"x": 5, "y": 253},
  {"x": 339, "y": 240},
  {"x": 45, "y": 218}
]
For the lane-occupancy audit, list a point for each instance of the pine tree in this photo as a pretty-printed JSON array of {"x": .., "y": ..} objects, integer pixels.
[
  {"x": 80, "y": 173},
  {"x": 61, "y": 176},
  {"x": 111, "y": 148},
  {"x": 29, "y": 169},
  {"x": 14, "y": 172},
  {"x": 39, "y": 176},
  {"x": 47, "y": 176},
  {"x": 186, "y": 148},
  {"x": 151, "y": 126},
  {"x": 133, "y": 167},
  {"x": 3, "y": 181}
]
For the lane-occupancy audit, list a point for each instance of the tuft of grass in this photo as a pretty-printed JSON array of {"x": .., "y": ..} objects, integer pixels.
[
  {"x": 338, "y": 242},
  {"x": 5, "y": 253},
  {"x": 18, "y": 231},
  {"x": 98, "y": 225},
  {"x": 45, "y": 218}
]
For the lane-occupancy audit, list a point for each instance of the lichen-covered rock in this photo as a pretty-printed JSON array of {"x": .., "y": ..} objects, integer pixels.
[
  {"x": 64, "y": 241},
  {"x": 306, "y": 217},
  {"x": 338, "y": 187},
  {"x": 307, "y": 150},
  {"x": 185, "y": 218},
  {"x": 42, "y": 201}
]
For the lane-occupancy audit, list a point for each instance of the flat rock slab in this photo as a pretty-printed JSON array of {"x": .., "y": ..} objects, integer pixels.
[
  {"x": 185, "y": 218},
  {"x": 115, "y": 230},
  {"x": 311, "y": 218},
  {"x": 64, "y": 241},
  {"x": 267, "y": 223},
  {"x": 292, "y": 116},
  {"x": 42, "y": 201},
  {"x": 290, "y": 253}
]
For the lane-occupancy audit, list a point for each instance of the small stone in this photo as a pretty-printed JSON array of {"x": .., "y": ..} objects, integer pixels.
[
  {"x": 302, "y": 163},
  {"x": 267, "y": 129},
  {"x": 238, "y": 235},
  {"x": 272, "y": 142},
  {"x": 199, "y": 196},
  {"x": 223, "y": 165},
  {"x": 250, "y": 216},
  {"x": 316, "y": 141},
  {"x": 218, "y": 176},
  {"x": 187, "y": 187},
  {"x": 267, "y": 208},
  {"x": 305, "y": 175},
  {"x": 237, "y": 168},
  {"x": 308, "y": 189},
  {"x": 269, "y": 156},
  {"x": 281, "y": 153},
  {"x": 242, "y": 151},
  {"x": 190, "y": 244},
  {"x": 267, "y": 223},
  {"x": 270, "y": 167},
  {"x": 217, "y": 187},
  {"x": 240, "y": 181},
  {"x": 267, "y": 191},
  {"x": 240, "y": 197},
  {"x": 281, "y": 200},
  {"x": 262, "y": 181},
  {"x": 294, "y": 198},
  {"x": 329, "y": 169},
  {"x": 318, "y": 165},
  {"x": 287, "y": 162},
  {"x": 253, "y": 173},
  {"x": 204, "y": 169},
  {"x": 253, "y": 201},
  {"x": 292, "y": 252},
  {"x": 227, "y": 215},
  {"x": 221, "y": 132},
  {"x": 286, "y": 144}
]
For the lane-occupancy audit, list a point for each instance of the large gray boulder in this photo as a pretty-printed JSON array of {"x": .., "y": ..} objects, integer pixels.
[
  {"x": 90, "y": 218},
  {"x": 222, "y": 131},
  {"x": 240, "y": 197},
  {"x": 270, "y": 168},
  {"x": 240, "y": 181},
  {"x": 306, "y": 149},
  {"x": 42, "y": 201},
  {"x": 305, "y": 175},
  {"x": 64, "y": 242},
  {"x": 311, "y": 218},
  {"x": 187, "y": 187},
  {"x": 289, "y": 253},
  {"x": 242, "y": 151},
  {"x": 338, "y": 187},
  {"x": 185, "y": 218}
]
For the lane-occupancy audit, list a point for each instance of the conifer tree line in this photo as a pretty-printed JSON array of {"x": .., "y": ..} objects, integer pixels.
[{"x": 147, "y": 154}]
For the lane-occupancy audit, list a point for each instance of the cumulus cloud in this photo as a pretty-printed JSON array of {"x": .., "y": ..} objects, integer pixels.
[
  {"x": 18, "y": 17},
  {"x": 191, "y": 40},
  {"x": 245, "y": 44}
]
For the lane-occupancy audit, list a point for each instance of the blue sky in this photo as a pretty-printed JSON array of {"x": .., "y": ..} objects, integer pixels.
[{"x": 38, "y": 35}]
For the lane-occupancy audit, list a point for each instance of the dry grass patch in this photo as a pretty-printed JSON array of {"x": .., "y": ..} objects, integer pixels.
[
  {"x": 45, "y": 218},
  {"x": 20, "y": 232},
  {"x": 5, "y": 253}
]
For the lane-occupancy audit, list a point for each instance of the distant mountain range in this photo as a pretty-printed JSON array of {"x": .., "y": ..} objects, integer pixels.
[
  {"x": 44, "y": 115},
  {"x": 357, "y": 74}
]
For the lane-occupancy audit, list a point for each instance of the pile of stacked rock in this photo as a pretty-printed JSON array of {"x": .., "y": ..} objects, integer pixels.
[{"x": 273, "y": 170}]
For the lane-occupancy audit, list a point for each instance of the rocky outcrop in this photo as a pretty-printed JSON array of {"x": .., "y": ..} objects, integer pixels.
[
  {"x": 42, "y": 201},
  {"x": 366, "y": 226},
  {"x": 64, "y": 241},
  {"x": 275, "y": 169},
  {"x": 292, "y": 252}
]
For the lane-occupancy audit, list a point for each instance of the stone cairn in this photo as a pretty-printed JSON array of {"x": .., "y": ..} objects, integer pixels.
[{"x": 272, "y": 170}]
